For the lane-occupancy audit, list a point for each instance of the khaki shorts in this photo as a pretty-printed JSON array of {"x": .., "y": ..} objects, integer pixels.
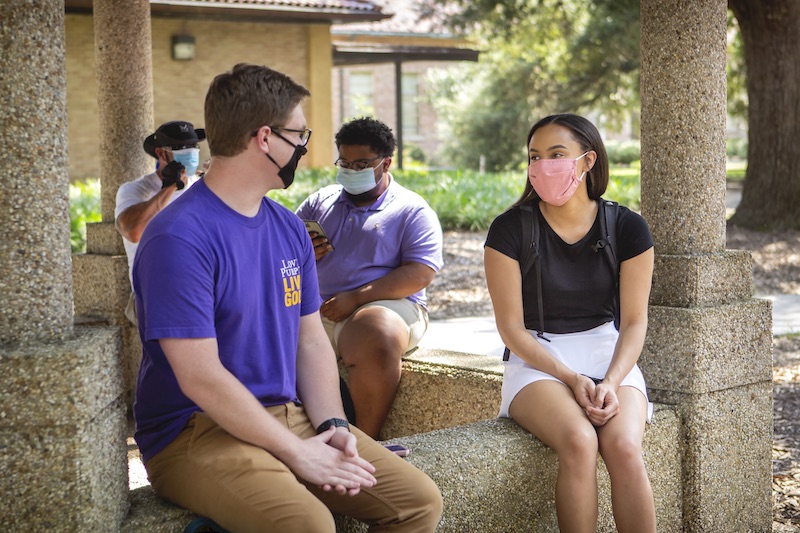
[{"x": 414, "y": 315}]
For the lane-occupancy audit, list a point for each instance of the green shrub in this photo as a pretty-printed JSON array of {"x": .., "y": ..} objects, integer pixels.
[
  {"x": 413, "y": 154},
  {"x": 736, "y": 148},
  {"x": 463, "y": 199},
  {"x": 84, "y": 206},
  {"x": 623, "y": 152}
]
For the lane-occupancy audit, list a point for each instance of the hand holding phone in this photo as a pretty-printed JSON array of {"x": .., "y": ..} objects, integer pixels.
[
  {"x": 322, "y": 245},
  {"x": 312, "y": 226}
]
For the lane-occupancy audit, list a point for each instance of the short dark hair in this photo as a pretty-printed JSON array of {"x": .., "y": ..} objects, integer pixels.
[
  {"x": 586, "y": 135},
  {"x": 367, "y": 131},
  {"x": 242, "y": 100}
]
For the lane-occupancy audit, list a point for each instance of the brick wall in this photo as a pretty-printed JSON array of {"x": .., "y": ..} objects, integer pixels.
[
  {"x": 179, "y": 87},
  {"x": 384, "y": 100}
]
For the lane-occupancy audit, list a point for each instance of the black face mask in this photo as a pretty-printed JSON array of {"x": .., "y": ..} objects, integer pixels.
[{"x": 286, "y": 172}]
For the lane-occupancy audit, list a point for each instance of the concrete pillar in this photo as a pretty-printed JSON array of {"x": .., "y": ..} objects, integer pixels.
[
  {"x": 125, "y": 110},
  {"x": 123, "y": 52},
  {"x": 35, "y": 284},
  {"x": 709, "y": 341},
  {"x": 318, "y": 108},
  {"x": 62, "y": 423}
]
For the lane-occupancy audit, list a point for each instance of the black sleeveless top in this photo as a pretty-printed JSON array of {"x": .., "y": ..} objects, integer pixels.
[{"x": 577, "y": 283}]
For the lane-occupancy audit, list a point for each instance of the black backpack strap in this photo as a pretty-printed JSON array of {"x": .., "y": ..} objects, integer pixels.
[
  {"x": 529, "y": 257},
  {"x": 608, "y": 245},
  {"x": 530, "y": 236}
]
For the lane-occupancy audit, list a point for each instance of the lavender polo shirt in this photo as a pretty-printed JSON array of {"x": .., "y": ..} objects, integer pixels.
[{"x": 371, "y": 241}]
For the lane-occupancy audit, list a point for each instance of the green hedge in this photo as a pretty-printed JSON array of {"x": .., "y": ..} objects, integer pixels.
[
  {"x": 84, "y": 206},
  {"x": 463, "y": 199},
  {"x": 623, "y": 152}
]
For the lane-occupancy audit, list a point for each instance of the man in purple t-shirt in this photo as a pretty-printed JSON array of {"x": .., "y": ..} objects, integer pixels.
[
  {"x": 238, "y": 414},
  {"x": 381, "y": 249}
]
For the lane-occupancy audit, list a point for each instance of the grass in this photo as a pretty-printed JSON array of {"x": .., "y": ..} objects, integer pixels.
[
  {"x": 736, "y": 170},
  {"x": 463, "y": 199}
]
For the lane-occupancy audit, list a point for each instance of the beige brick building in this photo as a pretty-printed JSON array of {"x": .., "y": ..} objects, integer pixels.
[
  {"x": 381, "y": 69},
  {"x": 288, "y": 36}
]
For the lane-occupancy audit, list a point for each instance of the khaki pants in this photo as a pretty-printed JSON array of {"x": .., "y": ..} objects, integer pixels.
[{"x": 244, "y": 488}]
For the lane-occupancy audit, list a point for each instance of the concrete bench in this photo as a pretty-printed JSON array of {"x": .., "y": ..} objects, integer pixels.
[{"x": 493, "y": 475}]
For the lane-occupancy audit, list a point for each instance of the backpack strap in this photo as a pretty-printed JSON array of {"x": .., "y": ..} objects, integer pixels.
[
  {"x": 608, "y": 245},
  {"x": 530, "y": 238},
  {"x": 529, "y": 257}
]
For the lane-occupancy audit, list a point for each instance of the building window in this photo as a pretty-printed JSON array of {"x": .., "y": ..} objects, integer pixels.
[
  {"x": 361, "y": 102},
  {"x": 410, "y": 90}
]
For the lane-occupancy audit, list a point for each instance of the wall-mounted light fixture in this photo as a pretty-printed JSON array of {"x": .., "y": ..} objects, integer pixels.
[{"x": 182, "y": 47}]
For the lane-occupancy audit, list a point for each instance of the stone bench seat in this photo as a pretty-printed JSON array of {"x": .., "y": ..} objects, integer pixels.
[{"x": 494, "y": 476}]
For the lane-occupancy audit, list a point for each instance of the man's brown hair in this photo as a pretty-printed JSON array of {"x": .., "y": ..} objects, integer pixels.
[{"x": 242, "y": 100}]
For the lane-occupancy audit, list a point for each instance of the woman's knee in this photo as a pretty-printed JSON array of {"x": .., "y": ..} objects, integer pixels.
[
  {"x": 578, "y": 445},
  {"x": 622, "y": 451}
]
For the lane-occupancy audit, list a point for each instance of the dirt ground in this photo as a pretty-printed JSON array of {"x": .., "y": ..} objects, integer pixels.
[{"x": 459, "y": 290}]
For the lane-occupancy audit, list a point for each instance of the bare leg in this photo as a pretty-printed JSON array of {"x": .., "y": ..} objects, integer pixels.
[
  {"x": 372, "y": 344},
  {"x": 549, "y": 411},
  {"x": 621, "y": 448}
]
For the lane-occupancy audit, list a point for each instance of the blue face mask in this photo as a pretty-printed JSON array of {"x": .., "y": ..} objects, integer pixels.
[
  {"x": 357, "y": 182},
  {"x": 189, "y": 158}
]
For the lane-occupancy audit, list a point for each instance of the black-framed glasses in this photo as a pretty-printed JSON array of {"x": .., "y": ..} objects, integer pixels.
[
  {"x": 358, "y": 164},
  {"x": 304, "y": 134}
]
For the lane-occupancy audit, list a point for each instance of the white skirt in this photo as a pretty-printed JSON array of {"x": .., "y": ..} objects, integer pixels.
[{"x": 586, "y": 352}]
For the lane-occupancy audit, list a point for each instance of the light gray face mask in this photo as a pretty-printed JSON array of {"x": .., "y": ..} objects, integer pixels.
[
  {"x": 189, "y": 158},
  {"x": 357, "y": 182}
]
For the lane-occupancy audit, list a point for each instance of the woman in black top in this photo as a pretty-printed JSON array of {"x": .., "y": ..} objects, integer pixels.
[{"x": 576, "y": 385}]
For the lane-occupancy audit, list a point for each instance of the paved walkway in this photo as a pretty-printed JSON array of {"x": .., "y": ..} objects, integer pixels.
[{"x": 479, "y": 334}]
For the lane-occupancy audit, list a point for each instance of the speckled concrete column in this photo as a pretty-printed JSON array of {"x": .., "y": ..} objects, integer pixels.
[
  {"x": 62, "y": 417},
  {"x": 123, "y": 52},
  {"x": 35, "y": 283},
  {"x": 709, "y": 341},
  {"x": 125, "y": 108}
]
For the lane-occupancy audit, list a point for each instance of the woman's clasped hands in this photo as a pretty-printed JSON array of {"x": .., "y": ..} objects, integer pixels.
[{"x": 599, "y": 402}]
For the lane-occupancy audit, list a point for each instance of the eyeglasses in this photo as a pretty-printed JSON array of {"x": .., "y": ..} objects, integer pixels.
[
  {"x": 358, "y": 164},
  {"x": 177, "y": 147},
  {"x": 304, "y": 134}
]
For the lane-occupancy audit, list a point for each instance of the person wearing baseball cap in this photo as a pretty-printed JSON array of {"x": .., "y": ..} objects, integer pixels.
[{"x": 175, "y": 146}]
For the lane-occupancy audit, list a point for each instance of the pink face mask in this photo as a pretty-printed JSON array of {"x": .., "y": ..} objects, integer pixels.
[{"x": 555, "y": 180}]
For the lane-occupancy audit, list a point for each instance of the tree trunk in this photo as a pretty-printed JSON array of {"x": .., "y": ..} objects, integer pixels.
[{"x": 771, "y": 34}]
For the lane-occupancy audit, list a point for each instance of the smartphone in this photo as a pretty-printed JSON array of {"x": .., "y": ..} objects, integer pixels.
[
  {"x": 314, "y": 226},
  {"x": 398, "y": 449}
]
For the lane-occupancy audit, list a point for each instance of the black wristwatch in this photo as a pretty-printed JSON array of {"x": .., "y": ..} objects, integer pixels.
[{"x": 333, "y": 422}]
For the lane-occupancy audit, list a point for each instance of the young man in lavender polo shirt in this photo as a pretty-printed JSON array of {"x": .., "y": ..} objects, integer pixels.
[{"x": 383, "y": 248}]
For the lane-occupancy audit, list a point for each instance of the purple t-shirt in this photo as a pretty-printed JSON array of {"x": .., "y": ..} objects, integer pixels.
[
  {"x": 203, "y": 270},
  {"x": 371, "y": 241}
]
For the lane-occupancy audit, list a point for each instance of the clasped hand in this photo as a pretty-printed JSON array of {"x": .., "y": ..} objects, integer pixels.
[
  {"x": 599, "y": 402},
  {"x": 330, "y": 460}
]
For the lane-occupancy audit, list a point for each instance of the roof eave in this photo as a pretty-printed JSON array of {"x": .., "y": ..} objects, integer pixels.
[
  {"x": 249, "y": 12},
  {"x": 345, "y": 54}
]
